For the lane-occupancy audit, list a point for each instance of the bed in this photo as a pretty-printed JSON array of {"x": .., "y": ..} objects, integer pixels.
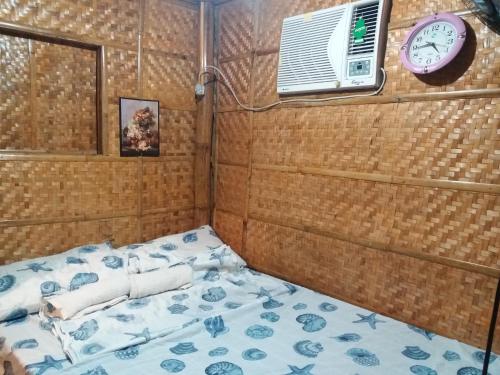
[{"x": 231, "y": 321}]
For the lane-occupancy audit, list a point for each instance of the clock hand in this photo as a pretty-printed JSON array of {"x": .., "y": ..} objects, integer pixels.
[
  {"x": 440, "y": 45},
  {"x": 425, "y": 45},
  {"x": 433, "y": 45}
]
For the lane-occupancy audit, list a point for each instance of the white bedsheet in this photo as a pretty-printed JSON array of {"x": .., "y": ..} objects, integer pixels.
[{"x": 242, "y": 323}]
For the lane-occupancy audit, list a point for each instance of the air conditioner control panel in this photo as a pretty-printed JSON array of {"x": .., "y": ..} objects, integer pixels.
[{"x": 359, "y": 68}]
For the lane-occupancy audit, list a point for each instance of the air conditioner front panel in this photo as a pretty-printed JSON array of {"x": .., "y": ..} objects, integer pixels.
[
  {"x": 319, "y": 52},
  {"x": 304, "y": 53}
]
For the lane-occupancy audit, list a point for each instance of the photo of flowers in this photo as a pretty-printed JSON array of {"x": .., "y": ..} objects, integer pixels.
[{"x": 139, "y": 127}]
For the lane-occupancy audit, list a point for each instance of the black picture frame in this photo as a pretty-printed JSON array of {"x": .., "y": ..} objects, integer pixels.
[{"x": 139, "y": 124}]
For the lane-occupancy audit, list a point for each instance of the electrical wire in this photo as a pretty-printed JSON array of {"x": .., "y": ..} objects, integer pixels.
[{"x": 281, "y": 102}]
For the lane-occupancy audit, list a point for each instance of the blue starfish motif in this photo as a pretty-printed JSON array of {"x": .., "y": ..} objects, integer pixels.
[
  {"x": 144, "y": 334},
  {"x": 191, "y": 260},
  {"x": 300, "y": 371},
  {"x": 35, "y": 267},
  {"x": 219, "y": 256},
  {"x": 370, "y": 319},
  {"x": 263, "y": 292},
  {"x": 40, "y": 367},
  {"x": 159, "y": 256}
]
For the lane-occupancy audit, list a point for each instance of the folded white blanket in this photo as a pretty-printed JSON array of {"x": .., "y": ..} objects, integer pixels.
[
  {"x": 87, "y": 299},
  {"x": 159, "y": 281}
]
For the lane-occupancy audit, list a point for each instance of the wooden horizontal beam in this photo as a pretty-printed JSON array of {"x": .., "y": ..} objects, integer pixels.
[
  {"x": 156, "y": 211},
  {"x": 80, "y": 218},
  {"x": 14, "y": 156},
  {"x": 388, "y": 99},
  {"x": 388, "y": 179},
  {"x": 230, "y": 163},
  {"x": 64, "y": 219},
  {"x": 450, "y": 262}
]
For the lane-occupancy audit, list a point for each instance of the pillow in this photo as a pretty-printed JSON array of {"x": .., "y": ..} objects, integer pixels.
[
  {"x": 22, "y": 284},
  {"x": 170, "y": 249}
]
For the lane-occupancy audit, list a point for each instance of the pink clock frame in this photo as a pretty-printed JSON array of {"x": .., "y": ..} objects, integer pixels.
[{"x": 459, "y": 25}]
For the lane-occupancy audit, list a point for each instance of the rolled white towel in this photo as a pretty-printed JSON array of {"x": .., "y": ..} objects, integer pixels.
[
  {"x": 87, "y": 299},
  {"x": 159, "y": 281}
]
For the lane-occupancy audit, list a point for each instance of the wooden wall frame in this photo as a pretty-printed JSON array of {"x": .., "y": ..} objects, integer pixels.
[{"x": 42, "y": 35}]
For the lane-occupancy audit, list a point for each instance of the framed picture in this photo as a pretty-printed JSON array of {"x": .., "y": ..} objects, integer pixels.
[{"x": 139, "y": 127}]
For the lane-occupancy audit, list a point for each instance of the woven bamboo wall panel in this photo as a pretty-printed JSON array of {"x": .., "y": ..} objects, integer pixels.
[
  {"x": 177, "y": 133},
  {"x": 121, "y": 74},
  {"x": 170, "y": 28},
  {"x": 238, "y": 73},
  {"x": 405, "y": 9},
  {"x": 113, "y": 121},
  {"x": 453, "y": 140},
  {"x": 483, "y": 72},
  {"x": 265, "y": 73},
  {"x": 157, "y": 225},
  {"x": 21, "y": 11},
  {"x": 236, "y": 28},
  {"x": 458, "y": 225},
  {"x": 233, "y": 137},
  {"x": 117, "y": 21},
  {"x": 231, "y": 189},
  {"x": 55, "y": 189},
  {"x": 75, "y": 17},
  {"x": 33, "y": 189},
  {"x": 15, "y": 107},
  {"x": 39, "y": 240},
  {"x": 167, "y": 184},
  {"x": 445, "y": 300},
  {"x": 229, "y": 228},
  {"x": 454, "y": 224},
  {"x": 65, "y": 95},
  {"x": 170, "y": 80}
]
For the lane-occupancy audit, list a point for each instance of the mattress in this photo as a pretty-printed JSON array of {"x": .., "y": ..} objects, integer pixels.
[{"x": 254, "y": 325}]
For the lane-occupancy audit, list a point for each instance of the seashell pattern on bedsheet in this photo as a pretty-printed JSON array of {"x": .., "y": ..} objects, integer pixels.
[{"x": 199, "y": 330}]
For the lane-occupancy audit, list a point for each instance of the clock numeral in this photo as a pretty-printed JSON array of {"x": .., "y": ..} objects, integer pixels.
[
  {"x": 429, "y": 61},
  {"x": 427, "y": 32},
  {"x": 435, "y": 27},
  {"x": 450, "y": 33},
  {"x": 438, "y": 58},
  {"x": 451, "y": 41},
  {"x": 419, "y": 39}
]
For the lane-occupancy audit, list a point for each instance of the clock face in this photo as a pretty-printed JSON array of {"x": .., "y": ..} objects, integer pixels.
[{"x": 432, "y": 44}]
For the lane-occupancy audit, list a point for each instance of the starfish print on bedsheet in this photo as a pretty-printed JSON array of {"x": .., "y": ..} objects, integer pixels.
[
  {"x": 144, "y": 334},
  {"x": 36, "y": 266},
  {"x": 219, "y": 256},
  {"x": 370, "y": 319},
  {"x": 40, "y": 367},
  {"x": 300, "y": 371},
  {"x": 263, "y": 292}
]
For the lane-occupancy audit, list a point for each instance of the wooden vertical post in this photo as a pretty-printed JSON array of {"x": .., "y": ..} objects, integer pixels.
[
  {"x": 491, "y": 333},
  {"x": 204, "y": 120}
]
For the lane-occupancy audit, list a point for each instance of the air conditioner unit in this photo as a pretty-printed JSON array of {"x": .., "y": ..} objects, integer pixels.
[{"x": 339, "y": 48}]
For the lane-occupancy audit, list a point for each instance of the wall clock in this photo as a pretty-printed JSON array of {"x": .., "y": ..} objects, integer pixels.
[{"x": 433, "y": 43}]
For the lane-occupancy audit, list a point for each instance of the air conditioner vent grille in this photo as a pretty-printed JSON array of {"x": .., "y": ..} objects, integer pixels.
[
  {"x": 369, "y": 13},
  {"x": 304, "y": 49}
]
